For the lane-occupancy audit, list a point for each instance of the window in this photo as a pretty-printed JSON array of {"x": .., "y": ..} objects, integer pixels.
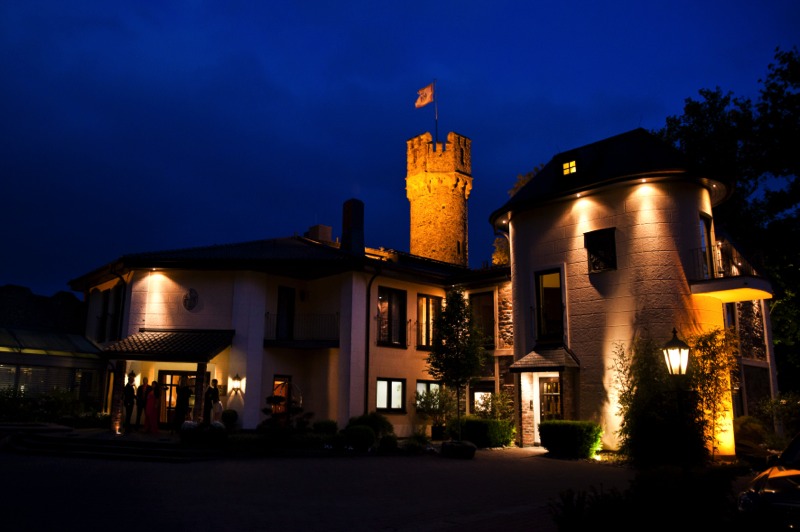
[
  {"x": 391, "y": 317},
  {"x": 424, "y": 387},
  {"x": 550, "y": 398},
  {"x": 480, "y": 396},
  {"x": 282, "y": 387},
  {"x": 428, "y": 309},
  {"x": 569, "y": 168},
  {"x": 601, "y": 250},
  {"x": 549, "y": 309},
  {"x": 482, "y": 307},
  {"x": 391, "y": 395},
  {"x": 706, "y": 248}
]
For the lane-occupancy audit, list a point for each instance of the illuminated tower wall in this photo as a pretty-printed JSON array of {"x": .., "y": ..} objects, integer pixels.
[{"x": 438, "y": 183}]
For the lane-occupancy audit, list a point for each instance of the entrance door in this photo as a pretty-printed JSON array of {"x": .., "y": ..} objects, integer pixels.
[
  {"x": 169, "y": 381},
  {"x": 549, "y": 398}
]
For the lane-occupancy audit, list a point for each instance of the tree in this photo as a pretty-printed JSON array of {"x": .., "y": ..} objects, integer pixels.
[
  {"x": 457, "y": 355},
  {"x": 753, "y": 147},
  {"x": 714, "y": 373}
]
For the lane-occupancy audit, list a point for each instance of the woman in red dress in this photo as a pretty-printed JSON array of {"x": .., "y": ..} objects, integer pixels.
[{"x": 152, "y": 408}]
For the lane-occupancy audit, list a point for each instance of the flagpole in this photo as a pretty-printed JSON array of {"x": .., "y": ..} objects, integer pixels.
[{"x": 435, "y": 116}]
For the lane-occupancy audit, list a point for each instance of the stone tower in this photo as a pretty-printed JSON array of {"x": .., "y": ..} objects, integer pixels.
[{"x": 438, "y": 183}]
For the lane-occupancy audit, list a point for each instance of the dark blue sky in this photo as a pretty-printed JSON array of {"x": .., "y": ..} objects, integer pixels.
[{"x": 144, "y": 126}]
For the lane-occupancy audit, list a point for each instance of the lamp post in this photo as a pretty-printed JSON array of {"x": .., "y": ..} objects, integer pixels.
[{"x": 676, "y": 355}]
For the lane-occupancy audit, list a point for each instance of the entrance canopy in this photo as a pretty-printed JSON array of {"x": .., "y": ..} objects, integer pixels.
[
  {"x": 545, "y": 359},
  {"x": 172, "y": 345}
]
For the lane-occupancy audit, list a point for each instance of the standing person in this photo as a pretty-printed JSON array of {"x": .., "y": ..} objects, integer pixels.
[
  {"x": 210, "y": 398},
  {"x": 183, "y": 393},
  {"x": 152, "y": 408},
  {"x": 141, "y": 401},
  {"x": 129, "y": 399}
]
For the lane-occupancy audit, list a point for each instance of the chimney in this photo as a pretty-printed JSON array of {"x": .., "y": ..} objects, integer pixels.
[
  {"x": 353, "y": 227},
  {"x": 320, "y": 233}
]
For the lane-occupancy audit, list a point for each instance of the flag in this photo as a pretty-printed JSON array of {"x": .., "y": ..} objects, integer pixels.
[{"x": 425, "y": 96}]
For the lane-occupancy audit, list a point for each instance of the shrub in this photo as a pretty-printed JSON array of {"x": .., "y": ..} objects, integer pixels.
[
  {"x": 485, "y": 432},
  {"x": 361, "y": 438},
  {"x": 327, "y": 427},
  {"x": 417, "y": 443},
  {"x": 571, "y": 439},
  {"x": 388, "y": 444},
  {"x": 380, "y": 424}
]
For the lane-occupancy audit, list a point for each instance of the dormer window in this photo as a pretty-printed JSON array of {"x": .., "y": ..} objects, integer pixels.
[{"x": 569, "y": 168}]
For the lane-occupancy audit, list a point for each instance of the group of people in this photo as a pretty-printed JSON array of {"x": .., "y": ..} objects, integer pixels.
[{"x": 147, "y": 400}]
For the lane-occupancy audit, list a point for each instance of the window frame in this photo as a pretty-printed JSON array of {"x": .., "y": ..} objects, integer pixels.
[
  {"x": 429, "y": 308},
  {"x": 427, "y": 386},
  {"x": 487, "y": 329},
  {"x": 390, "y": 388},
  {"x": 601, "y": 249},
  {"x": 392, "y": 330},
  {"x": 544, "y": 300}
]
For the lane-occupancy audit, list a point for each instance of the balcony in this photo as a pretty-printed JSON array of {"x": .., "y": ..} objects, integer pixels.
[
  {"x": 726, "y": 275},
  {"x": 301, "y": 331}
]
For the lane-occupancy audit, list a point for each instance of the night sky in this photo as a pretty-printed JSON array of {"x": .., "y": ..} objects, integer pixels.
[{"x": 142, "y": 126}]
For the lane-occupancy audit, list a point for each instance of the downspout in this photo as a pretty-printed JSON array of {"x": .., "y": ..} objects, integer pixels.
[{"x": 366, "y": 341}]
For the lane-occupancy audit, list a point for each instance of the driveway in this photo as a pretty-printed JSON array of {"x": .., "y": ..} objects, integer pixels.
[{"x": 500, "y": 489}]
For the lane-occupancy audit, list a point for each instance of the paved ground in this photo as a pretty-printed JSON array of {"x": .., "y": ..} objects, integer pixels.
[{"x": 502, "y": 489}]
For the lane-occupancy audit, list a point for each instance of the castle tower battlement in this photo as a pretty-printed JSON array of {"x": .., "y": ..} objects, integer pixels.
[{"x": 438, "y": 184}]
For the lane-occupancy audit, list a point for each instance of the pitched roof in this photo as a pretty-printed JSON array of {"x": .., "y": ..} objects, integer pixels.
[
  {"x": 296, "y": 257},
  {"x": 172, "y": 345},
  {"x": 546, "y": 359},
  {"x": 618, "y": 159}
]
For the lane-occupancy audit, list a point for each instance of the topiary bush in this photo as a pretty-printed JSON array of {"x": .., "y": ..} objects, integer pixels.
[{"x": 571, "y": 439}]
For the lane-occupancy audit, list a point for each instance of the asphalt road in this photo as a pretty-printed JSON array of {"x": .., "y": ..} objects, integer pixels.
[{"x": 500, "y": 489}]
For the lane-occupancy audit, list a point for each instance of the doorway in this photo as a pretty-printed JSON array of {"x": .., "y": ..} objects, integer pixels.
[{"x": 169, "y": 381}]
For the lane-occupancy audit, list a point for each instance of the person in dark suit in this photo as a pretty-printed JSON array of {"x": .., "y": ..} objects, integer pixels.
[
  {"x": 183, "y": 394},
  {"x": 210, "y": 398},
  {"x": 141, "y": 401},
  {"x": 129, "y": 399}
]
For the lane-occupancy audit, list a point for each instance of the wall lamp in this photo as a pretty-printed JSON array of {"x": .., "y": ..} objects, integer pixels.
[
  {"x": 236, "y": 384},
  {"x": 676, "y": 354}
]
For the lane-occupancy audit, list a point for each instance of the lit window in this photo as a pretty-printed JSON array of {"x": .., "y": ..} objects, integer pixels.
[
  {"x": 428, "y": 387},
  {"x": 390, "y": 395},
  {"x": 549, "y": 307},
  {"x": 428, "y": 308},
  {"x": 569, "y": 168},
  {"x": 391, "y": 317}
]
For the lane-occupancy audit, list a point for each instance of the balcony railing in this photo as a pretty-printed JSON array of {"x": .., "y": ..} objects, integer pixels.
[
  {"x": 725, "y": 261},
  {"x": 491, "y": 343},
  {"x": 297, "y": 329}
]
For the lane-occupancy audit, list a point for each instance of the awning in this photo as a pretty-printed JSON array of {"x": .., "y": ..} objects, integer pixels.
[
  {"x": 172, "y": 345},
  {"x": 44, "y": 348},
  {"x": 546, "y": 359}
]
